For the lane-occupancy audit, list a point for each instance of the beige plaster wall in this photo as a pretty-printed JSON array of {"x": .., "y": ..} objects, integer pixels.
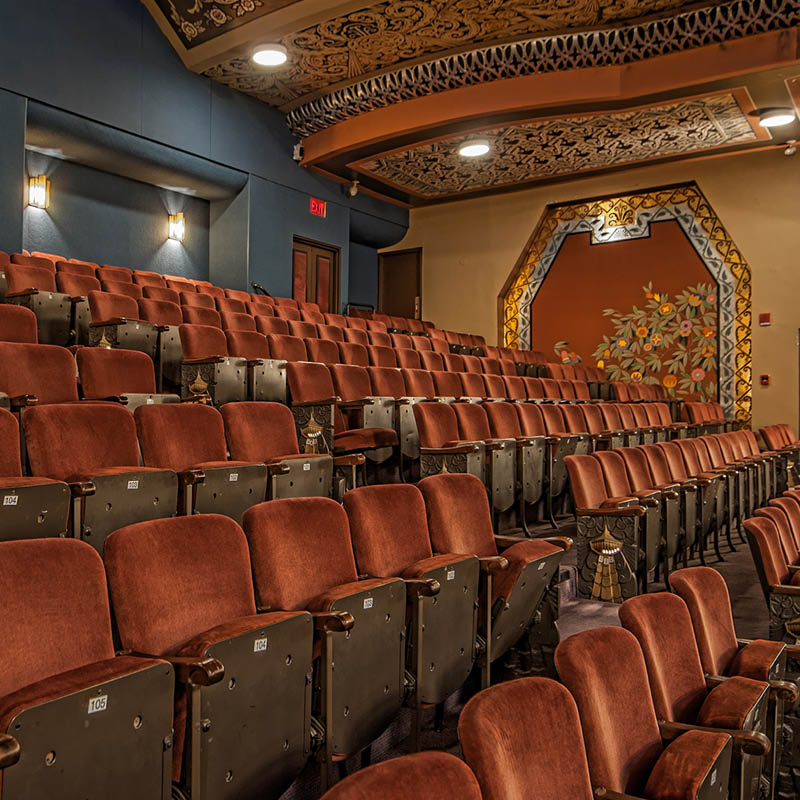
[{"x": 470, "y": 247}]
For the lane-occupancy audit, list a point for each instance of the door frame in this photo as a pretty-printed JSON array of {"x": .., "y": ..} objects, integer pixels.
[
  {"x": 335, "y": 289},
  {"x": 406, "y": 251}
]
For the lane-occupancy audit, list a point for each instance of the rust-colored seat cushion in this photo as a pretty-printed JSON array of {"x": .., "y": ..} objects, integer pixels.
[
  {"x": 106, "y": 373},
  {"x": 729, "y": 703},
  {"x": 17, "y": 324},
  {"x": 44, "y": 370},
  {"x": 357, "y": 439},
  {"x": 755, "y": 659},
  {"x": 10, "y": 460},
  {"x": 519, "y": 556},
  {"x": 684, "y": 765},
  {"x": 324, "y": 601},
  {"x": 159, "y": 312},
  {"x": 247, "y": 344},
  {"x": 424, "y": 776},
  {"x": 106, "y": 306},
  {"x": 510, "y": 764},
  {"x": 202, "y": 341}
]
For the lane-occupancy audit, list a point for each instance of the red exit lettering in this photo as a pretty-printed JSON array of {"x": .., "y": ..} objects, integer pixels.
[{"x": 319, "y": 208}]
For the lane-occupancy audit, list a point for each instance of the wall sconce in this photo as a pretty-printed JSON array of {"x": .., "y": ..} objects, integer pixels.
[
  {"x": 39, "y": 192},
  {"x": 177, "y": 226}
]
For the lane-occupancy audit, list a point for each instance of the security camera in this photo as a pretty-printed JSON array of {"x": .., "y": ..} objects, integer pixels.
[
  {"x": 353, "y": 190},
  {"x": 297, "y": 152},
  {"x": 790, "y": 147}
]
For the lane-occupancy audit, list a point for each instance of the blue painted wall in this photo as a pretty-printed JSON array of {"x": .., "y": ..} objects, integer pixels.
[
  {"x": 106, "y": 60},
  {"x": 363, "y": 274}
]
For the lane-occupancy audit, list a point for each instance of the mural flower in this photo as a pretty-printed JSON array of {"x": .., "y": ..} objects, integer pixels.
[{"x": 669, "y": 341}]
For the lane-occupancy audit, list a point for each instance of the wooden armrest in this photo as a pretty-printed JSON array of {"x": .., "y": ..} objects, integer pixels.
[
  {"x": 23, "y": 293},
  {"x": 353, "y": 405},
  {"x": 353, "y": 460},
  {"x": 793, "y": 568},
  {"x": 422, "y": 587},
  {"x": 202, "y": 399},
  {"x": 607, "y": 794},
  {"x": 255, "y": 362},
  {"x": 192, "y": 477},
  {"x": 9, "y": 751},
  {"x": 749, "y": 742},
  {"x": 714, "y": 680},
  {"x": 77, "y": 298},
  {"x": 526, "y": 441},
  {"x": 790, "y": 590},
  {"x": 619, "y": 502},
  {"x": 333, "y": 621},
  {"x": 82, "y": 488},
  {"x": 206, "y": 360},
  {"x": 23, "y": 401},
  {"x": 112, "y": 321},
  {"x": 503, "y": 541},
  {"x": 648, "y": 499},
  {"x": 784, "y": 690},
  {"x": 792, "y": 651},
  {"x": 192, "y": 670},
  {"x": 492, "y": 564},
  {"x": 625, "y": 511},
  {"x": 564, "y": 542},
  {"x": 278, "y": 469},
  {"x": 328, "y": 401},
  {"x": 494, "y": 444},
  {"x": 468, "y": 447}
]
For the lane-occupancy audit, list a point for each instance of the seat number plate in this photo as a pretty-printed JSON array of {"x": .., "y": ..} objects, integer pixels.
[
  {"x": 542, "y": 565},
  {"x": 368, "y": 602},
  {"x": 260, "y": 645},
  {"x": 97, "y": 704},
  {"x": 451, "y": 574},
  {"x": 233, "y": 477},
  {"x": 10, "y": 499},
  {"x": 133, "y": 485},
  {"x": 306, "y": 467}
]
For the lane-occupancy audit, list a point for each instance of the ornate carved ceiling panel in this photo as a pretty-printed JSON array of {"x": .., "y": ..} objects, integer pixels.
[
  {"x": 540, "y": 149},
  {"x": 383, "y": 35}
]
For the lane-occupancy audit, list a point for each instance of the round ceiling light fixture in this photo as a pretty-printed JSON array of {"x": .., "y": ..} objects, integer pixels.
[
  {"x": 775, "y": 117},
  {"x": 473, "y": 148},
  {"x": 270, "y": 55}
]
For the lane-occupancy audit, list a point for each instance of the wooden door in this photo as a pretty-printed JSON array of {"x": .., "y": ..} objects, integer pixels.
[
  {"x": 315, "y": 274},
  {"x": 400, "y": 283}
]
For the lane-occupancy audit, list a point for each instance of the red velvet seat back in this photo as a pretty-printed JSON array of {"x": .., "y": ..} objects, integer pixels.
[
  {"x": 701, "y": 452},
  {"x": 179, "y": 436},
  {"x": 386, "y": 382},
  {"x": 300, "y": 549},
  {"x": 122, "y": 287},
  {"x": 573, "y": 418},
  {"x": 407, "y": 359},
  {"x": 275, "y": 325},
  {"x": 262, "y": 299},
  {"x": 71, "y": 268},
  {"x": 401, "y": 340},
  {"x": 211, "y": 291},
  {"x": 531, "y": 420},
  {"x": 453, "y": 362},
  {"x": 161, "y": 293},
  {"x": 381, "y": 356},
  {"x": 651, "y": 411},
  {"x": 689, "y": 453},
  {"x": 10, "y": 461},
  {"x": 550, "y": 767},
  {"x": 790, "y": 505},
  {"x": 494, "y": 386},
  {"x": 773, "y": 437},
  {"x": 586, "y": 480},
  {"x": 237, "y": 294},
  {"x": 333, "y": 333},
  {"x": 201, "y": 316},
  {"x": 143, "y": 279},
  {"x": 657, "y": 461},
  {"x": 447, "y": 384},
  {"x": 626, "y": 416},
  {"x": 286, "y": 312},
  {"x": 706, "y": 596},
  {"x": 663, "y": 627},
  {"x": 309, "y": 382},
  {"x": 553, "y": 419},
  {"x": 106, "y": 373},
  {"x": 44, "y": 370},
  {"x": 605, "y": 672},
  {"x": 593, "y": 418},
  {"x": 472, "y": 364},
  {"x": 179, "y": 285},
  {"x": 767, "y": 539},
  {"x": 388, "y": 527},
  {"x": 76, "y": 285},
  {"x": 350, "y": 353},
  {"x": 337, "y": 320},
  {"x": 791, "y": 554},
  {"x": 351, "y": 382},
  {"x": 515, "y": 387},
  {"x": 121, "y": 274},
  {"x": 247, "y": 344},
  {"x": 637, "y": 468},
  {"x": 503, "y": 420},
  {"x": 615, "y": 474},
  {"x": 18, "y": 324},
  {"x": 22, "y": 277},
  {"x": 202, "y": 341},
  {"x": 33, "y": 261},
  {"x": 303, "y": 330},
  {"x": 77, "y": 439},
  {"x": 105, "y": 306},
  {"x": 675, "y": 461},
  {"x": 611, "y": 418},
  {"x": 639, "y": 415},
  {"x": 313, "y": 317},
  {"x": 715, "y": 453},
  {"x": 422, "y": 344},
  {"x": 259, "y": 432},
  {"x": 172, "y": 579},
  {"x": 287, "y": 348},
  {"x": 356, "y": 336},
  {"x": 234, "y": 321},
  {"x": 472, "y": 385},
  {"x": 566, "y": 390},
  {"x": 379, "y": 338},
  {"x": 473, "y": 424},
  {"x": 418, "y": 382},
  {"x": 322, "y": 350},
  {"x": 195, "y": 300},
  {"x": 55, "y": 610},
  {"x": 358, "y": 323},
  {"x": 726, "y": 446},
  {"x": 230, "y": 306},
  {"x": 459, "y": 518},
  {"x": 436, "y": 423},
  {"x": 160, "y": 312}
]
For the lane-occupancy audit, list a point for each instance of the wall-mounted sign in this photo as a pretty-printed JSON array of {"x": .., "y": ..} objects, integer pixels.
[{"x": 319, "y": 208}]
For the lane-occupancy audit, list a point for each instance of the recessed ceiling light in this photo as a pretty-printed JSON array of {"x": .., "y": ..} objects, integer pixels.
[
  {"x": 775, "y": 117},
  {"x": 270, "y": 55},
  {"x": 474, "y": 147}
]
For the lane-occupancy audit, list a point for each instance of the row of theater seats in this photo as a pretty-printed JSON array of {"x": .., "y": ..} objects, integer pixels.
[
  {"x": 229, "y": 636},
  {"x": 671, "y": 705},
  {"x": 667, "y": 500}
]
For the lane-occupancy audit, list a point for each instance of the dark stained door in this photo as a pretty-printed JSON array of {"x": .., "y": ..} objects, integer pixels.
[
  {"x": 315, "y": 274},
  {"x": 400, "y": 283}
]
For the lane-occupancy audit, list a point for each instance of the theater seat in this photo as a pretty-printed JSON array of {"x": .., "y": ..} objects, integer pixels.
[
  {"x": 359, "y": 622},
  {"x": 17, "y": 324},
  {"x": 208, "y": 369},
  {"x": 65, "y": 698},
  {"x": 516, "y": 571},
  {"x": 30, "y": 507},
  {"x": 36, "y": 373},
  {"x": 93, "y": 448},
  {"x": 116, "y": 323},
  {"x": 35, "y": 288},
  {"x": 182, "y": 589},
  {"x": 78, "y": 288},
  {"x": 123, "y": 376},
  {"x": 627, "y": 749},
  {"x": 423, "y": 776},
  {"x": 189, "y": 439},
  {"x": 441, "y": 447}
]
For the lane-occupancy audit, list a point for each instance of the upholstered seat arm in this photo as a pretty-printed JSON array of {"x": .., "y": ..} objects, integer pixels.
[
  {"x": 9, "y": 751},
  {"x": 333, "y": 621},
  {"x": 564, "y": 542},
  {"x": 351, "y": 460},
  {"x": 255, "y": 362},
  {"x": 324, "y": 402},
  {"x": 619, "y": 502},
  {"x": 206, "y": 360},
  {"x": 353, "y": 405},
  {"x": 627, "y": 511},
  {"x": 750, "y": 742},
  {"x": 191, "y": 670}
]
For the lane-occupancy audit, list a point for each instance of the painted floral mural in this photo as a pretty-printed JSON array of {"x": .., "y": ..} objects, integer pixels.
[{"x": 670, "y": 341}]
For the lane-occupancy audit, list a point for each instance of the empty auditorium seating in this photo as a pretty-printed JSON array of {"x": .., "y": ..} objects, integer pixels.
[
  {"x": 182, "y": 590},
  {"x": 115, "y": 323},
  {"x": 17, "y": 324},
  {"x": 207, "y": 367},
  {"x": 189, "y": 439},
  {"x": 34, "y": 287},
  {"x": 36, "y": 373}
]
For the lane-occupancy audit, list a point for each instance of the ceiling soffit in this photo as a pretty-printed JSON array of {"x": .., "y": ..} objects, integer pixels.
[{"x": 551, "y": 148}]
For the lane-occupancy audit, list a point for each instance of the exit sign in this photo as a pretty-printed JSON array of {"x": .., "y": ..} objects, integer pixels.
[{"x": 319, "y": 208}]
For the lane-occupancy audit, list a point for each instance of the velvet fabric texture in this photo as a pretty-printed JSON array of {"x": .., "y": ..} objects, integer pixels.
[
  {"x": 144, "y": 278},
  {"x": 407, "y": 359},
  {"x": 350, "y": 353},
  {"x": 351, "y": 382},
  {"x": 56, "y": 615},
  {"x": 195, "y": 300},
  {"x": 637, "y": 469},
  {"x": 10, "y": 460},
  {"x": 388, "y": 528},
  {"x": 472, "y": 385},
  {"x": 418, "y": 383},
  {"x": 755, "y": 659},
  {"x": 227, "y": 305},
  {"x": 237, "y": 294},
  {"x": 574, "y": 419},
  {"x": 268, "y": 324},
  {"x": 356, "y": 336},
  {"x": 790, "y": 507},
  {"x": 473, "y": 424},
  {"x": 503, "y": 420},
  {"x": 586, "y": 480},
  {"x": 105, "y": 306},
  {"x": 288, "y": 348},
  {"x": 675, "y": 461},
  {"x": 314, "y": 317},
  {"x": 322, "y": 351},
  {"x": 287, "y": 313},
  {"x": 605, "y": 672},
  {"x": 379, "y": 339},
  {"x": 447, "y": 384},
  {"x": 18, "y": 324},
  {"x": 235, "y": 321},
  {"x": 512, "y": 764},
  {"x": 123, "y": 274},
  {"x": 202, "y": 341},
  {"x": 615, "y": 474},
  {"x": 381, "y": 356},
  {"x": 160, "y": 312},
  {"x": 515, "y": 387},
  {"x": 593, "y": 419},
  {"x": 791, "y": 555},
  {"x": 308, "y": 382},
  {"x": 494, "y": 386},
  {"x": 120, "y": 287},
  {"x": 43, "y": 370},
  {"x": 76, "y": 441},
  {"x": 430, "y": 775},
  {"x": 107, "y": 373},
  {"x": 436, "y": 423},
  {"x": 729, "y": 703},
  {"x": 659, "y": 466},
  {"x": 303, "y": 330},
  {"x": 386, "y": 382},
  {"x": 84, "y": 268},
  {"x": 300, "y": 550},
  {"x": 21, "y": 277},
  {"x": 180, "y": 436},
  {"x": 421, "y": 344},
  {"x": 259, "y": 432},
  {"x": 332, "y": 333},
  {"x": 767, "y": 540},
  {"x": 201, "y": 316},
  {"x": 247, "y": 344},
  {"x": 76, "y": 285},
  {"x": 530, "y": 418}
]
